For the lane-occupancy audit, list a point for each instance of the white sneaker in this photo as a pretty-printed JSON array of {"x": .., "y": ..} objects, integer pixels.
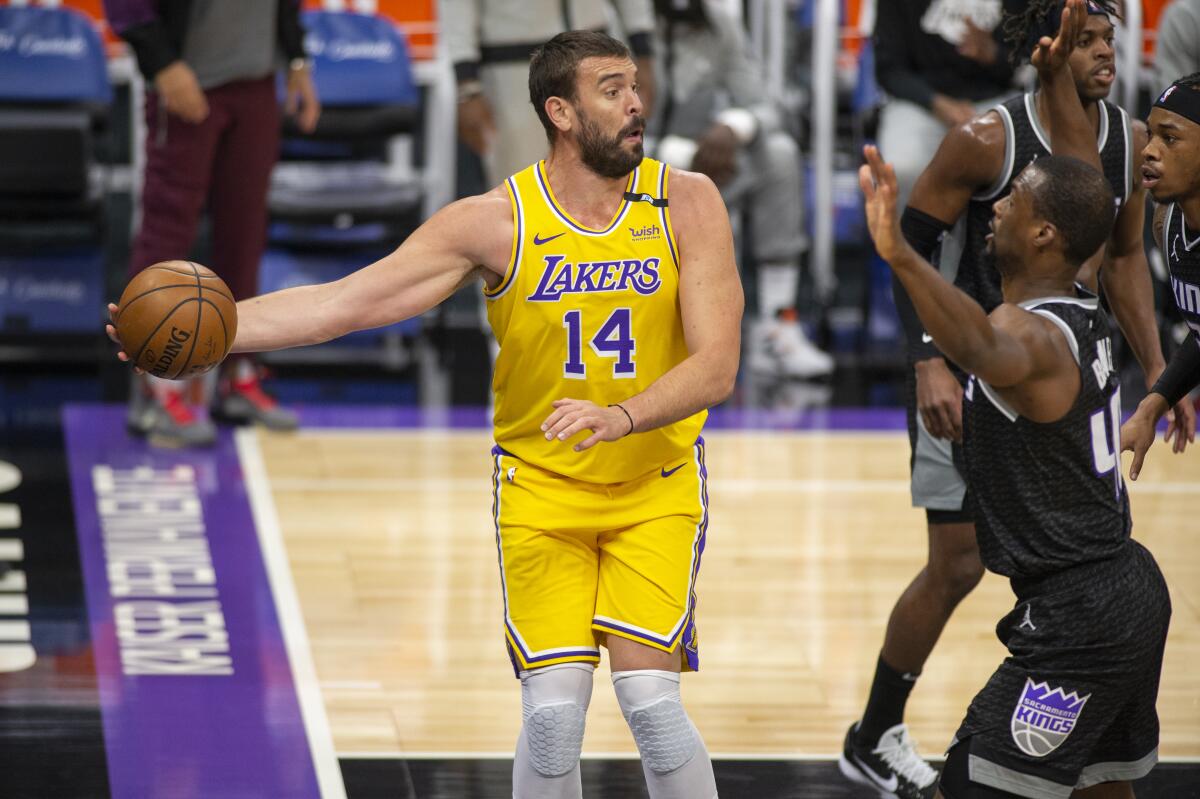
[
  {"x": 779, "y": 347},
  {"x": 760, "y": 355},
  {"x": 892, "y": 767}
]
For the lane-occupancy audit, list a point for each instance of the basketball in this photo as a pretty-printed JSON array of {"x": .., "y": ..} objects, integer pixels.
[{"x": 176, "y": 319}]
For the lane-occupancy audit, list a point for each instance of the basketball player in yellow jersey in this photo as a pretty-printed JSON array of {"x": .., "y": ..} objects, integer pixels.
[{"x": 614, "y": 295}]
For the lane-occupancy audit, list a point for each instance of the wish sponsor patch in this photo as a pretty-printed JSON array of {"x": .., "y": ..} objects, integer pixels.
[{"x": 1044, "y": 717}]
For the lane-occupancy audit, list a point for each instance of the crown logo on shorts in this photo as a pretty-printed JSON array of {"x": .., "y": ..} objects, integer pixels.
[{"x": 1044, "y": 717}]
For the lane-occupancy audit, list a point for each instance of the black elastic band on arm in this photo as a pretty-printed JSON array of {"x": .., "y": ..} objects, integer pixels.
[
  {"x": 922, "y": 231},
  {"x": 1182, "y": 373}
]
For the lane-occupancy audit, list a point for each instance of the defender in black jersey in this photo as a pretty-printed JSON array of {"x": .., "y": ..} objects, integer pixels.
[
  {"x": 1171, "y": 173},
  {"x": 949, "y": 211},
  {"x": 1074, "y": 703}
]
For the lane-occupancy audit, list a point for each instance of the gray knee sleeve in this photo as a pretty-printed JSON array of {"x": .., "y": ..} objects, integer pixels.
[
  {"x": 555, "y": 701},
  {"x": 652, "y": 706}
]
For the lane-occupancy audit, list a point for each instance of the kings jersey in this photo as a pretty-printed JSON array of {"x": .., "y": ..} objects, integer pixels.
[{"x": 588, "y": 314}]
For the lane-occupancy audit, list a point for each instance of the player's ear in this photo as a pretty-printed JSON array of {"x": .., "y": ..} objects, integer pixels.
[
  {"x": 561, "y": 113},
  {"x": 1045, "y": 234}
]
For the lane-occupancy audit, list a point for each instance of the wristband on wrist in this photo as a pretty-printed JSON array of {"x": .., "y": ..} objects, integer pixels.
[
  {"x": 1182, "y": 373},
  {"x": 627, "y": 416}
]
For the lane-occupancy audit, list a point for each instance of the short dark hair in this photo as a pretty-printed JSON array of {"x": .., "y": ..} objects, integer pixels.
[
  {"x": 553, "y": 68},
  {"x": 1077, "y": 199}
]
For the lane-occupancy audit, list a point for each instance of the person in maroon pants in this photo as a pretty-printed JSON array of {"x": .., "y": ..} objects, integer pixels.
[{"x": 212, "y": 138}]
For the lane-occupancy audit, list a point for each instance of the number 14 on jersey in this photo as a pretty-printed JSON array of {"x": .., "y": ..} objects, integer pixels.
[{"x": 613, "y": 339}]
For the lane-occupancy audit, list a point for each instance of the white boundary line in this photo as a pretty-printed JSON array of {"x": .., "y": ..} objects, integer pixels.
[{"x": 291, "y": 622}]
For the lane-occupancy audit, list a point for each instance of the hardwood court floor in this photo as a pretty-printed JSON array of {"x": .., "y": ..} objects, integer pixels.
[{"x": 391, "y": 545}]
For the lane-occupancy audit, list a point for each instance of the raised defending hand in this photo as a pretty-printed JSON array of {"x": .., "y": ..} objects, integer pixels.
[
  {"x": 571, "y": 416},
  {"x": 878, "y": 182},
  {"x": 1050, "y": 55},
  {"x": 1137, "y": 434}
]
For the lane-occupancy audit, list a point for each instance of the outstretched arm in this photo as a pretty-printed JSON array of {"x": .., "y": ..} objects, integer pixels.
[
  {"x": 432, "y": 263},
  {"x": 426, "y": 269},
  {"x": 1071, "y": 132},
  {"x": 958, "y": 324}
]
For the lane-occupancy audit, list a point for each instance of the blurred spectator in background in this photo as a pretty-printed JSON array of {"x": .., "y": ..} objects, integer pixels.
[
  {"x": 1177, "y": 52},
  {"x": 715, "y": 117},
  {"x": 490, "y": 42},
  {"x": 940, "y": 63},
  {"x": 212, "y": 138}
]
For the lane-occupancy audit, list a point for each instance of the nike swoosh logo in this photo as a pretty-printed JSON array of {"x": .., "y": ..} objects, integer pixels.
[
  {"x": 538, "y": 240},
  {"x": 669, "y": 472},
  {"x": 889, "y": 785}
]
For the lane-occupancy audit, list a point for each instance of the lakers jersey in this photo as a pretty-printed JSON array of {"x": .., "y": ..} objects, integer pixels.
[{"x": 588, "y": 314}]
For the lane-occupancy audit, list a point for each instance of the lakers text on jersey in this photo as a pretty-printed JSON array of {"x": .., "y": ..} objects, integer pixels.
[{"x": 588, "y": 314}]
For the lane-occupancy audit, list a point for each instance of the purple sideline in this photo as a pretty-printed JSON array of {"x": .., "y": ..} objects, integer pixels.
[{"x": 195, "y": 736}]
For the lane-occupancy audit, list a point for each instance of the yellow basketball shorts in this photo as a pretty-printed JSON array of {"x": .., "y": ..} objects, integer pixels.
[{"x": 579, "y": 561}]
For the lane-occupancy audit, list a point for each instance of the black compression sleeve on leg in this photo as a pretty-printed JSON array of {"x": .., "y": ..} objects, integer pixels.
[
  {"x": 1182, "y": 373},
  {"x": 922, "y": 232}
]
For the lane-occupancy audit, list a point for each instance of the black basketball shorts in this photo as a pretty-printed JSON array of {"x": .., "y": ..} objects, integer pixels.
[{"x": 1074, "y": 703}]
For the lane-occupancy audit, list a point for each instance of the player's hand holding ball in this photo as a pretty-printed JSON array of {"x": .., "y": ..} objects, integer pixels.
[{"x": 175, "y": 320}]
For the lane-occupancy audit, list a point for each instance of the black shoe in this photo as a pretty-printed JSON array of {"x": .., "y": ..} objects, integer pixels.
[{"x": 892, "y": 767}]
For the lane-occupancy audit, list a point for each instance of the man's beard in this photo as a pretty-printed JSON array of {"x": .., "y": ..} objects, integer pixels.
[{"x": 604, "y": 156}]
